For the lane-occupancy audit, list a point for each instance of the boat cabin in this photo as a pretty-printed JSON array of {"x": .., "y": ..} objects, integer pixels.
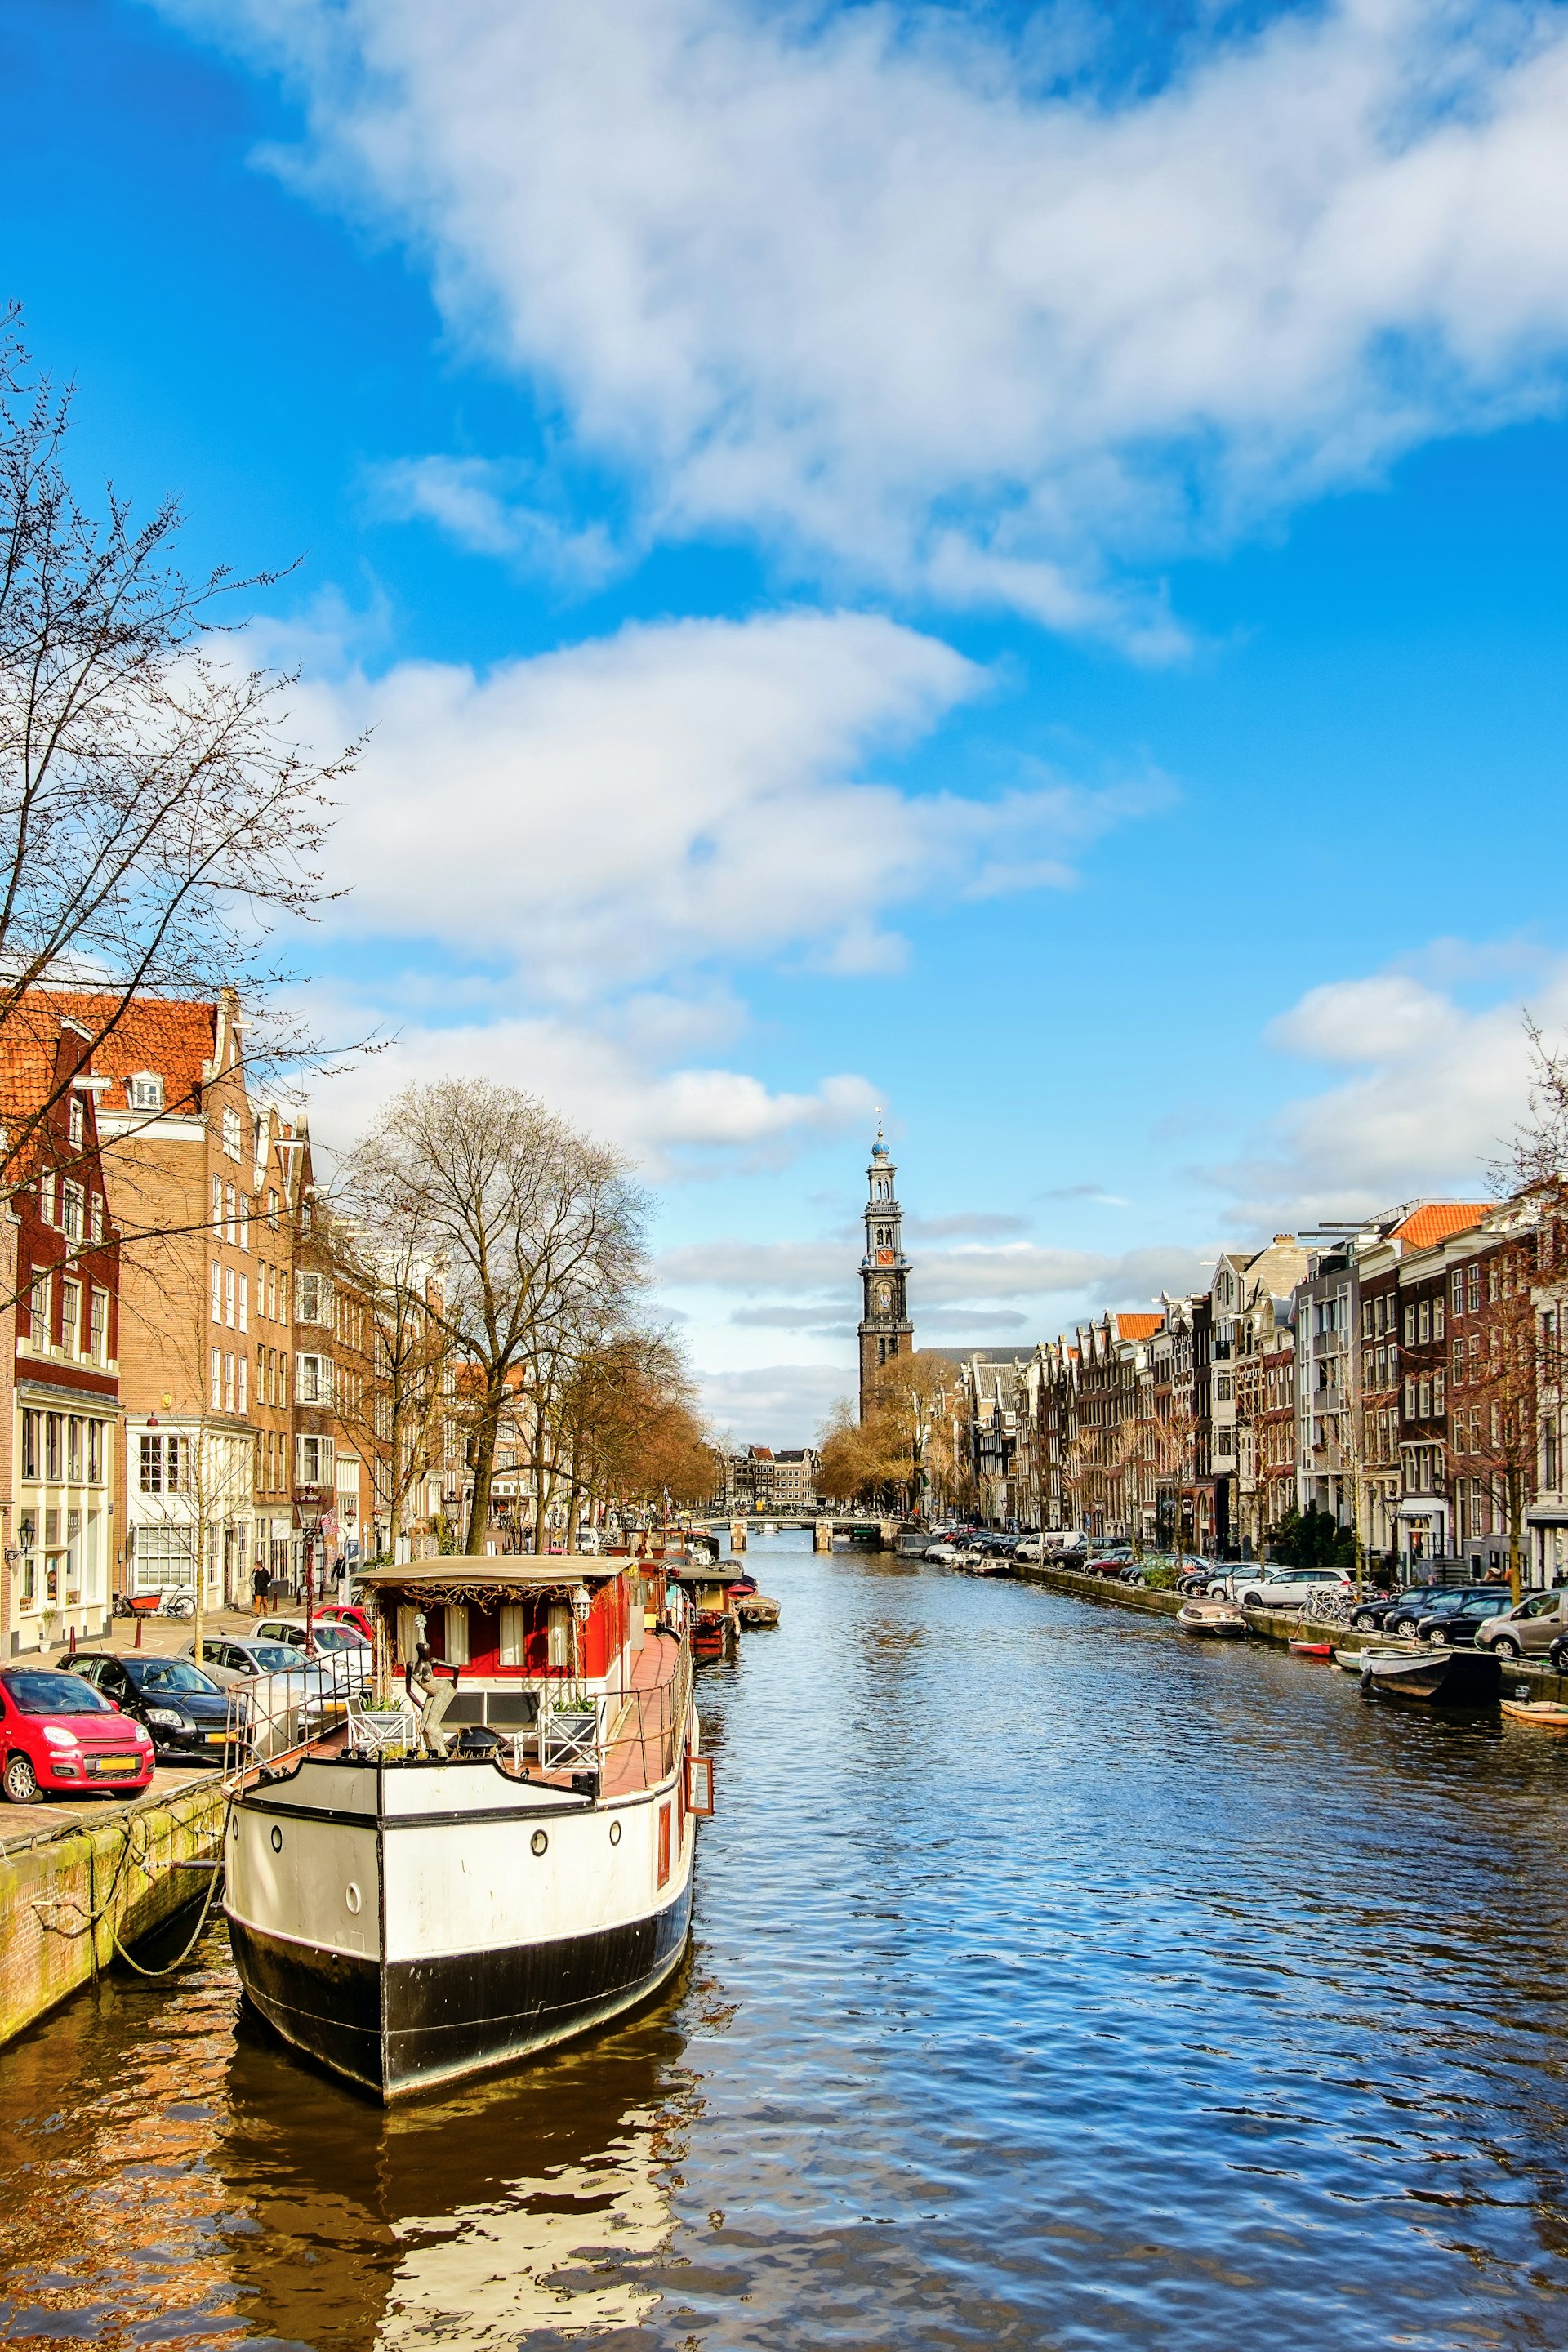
[{"x": 522, "y": 1634}]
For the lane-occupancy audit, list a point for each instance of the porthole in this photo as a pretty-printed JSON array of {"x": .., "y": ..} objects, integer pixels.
[
  {"x": 539, "y": 1840},
  {"x": 277, "y": 1839},
  {"x": 350, "y": 1896},
  {"x": 614, "y": 1833}
]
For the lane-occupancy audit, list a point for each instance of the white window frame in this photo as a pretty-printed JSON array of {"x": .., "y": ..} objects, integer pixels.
[
  {"x": 315, "y": 1461},
  {"x": 231, "y": 1132}
]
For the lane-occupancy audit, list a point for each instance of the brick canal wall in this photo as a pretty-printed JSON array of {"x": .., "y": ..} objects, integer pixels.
[
  {"x": 67, "y": 1892},
  {"x": 1274, "y": 1624}
]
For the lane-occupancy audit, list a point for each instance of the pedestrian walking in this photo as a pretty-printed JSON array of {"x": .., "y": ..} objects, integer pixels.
[{"x": 260, "y": 1588}]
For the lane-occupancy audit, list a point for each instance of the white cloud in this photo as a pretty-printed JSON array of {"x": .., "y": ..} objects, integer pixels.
[
  {"x": 674, "y": 1121},
  {"x": 858, "y": 281},
  {"x": 828, "y": 1272},
  {"x": 483, "y": 505},
  {"x": 774, "y": 1404},
  {"x": 674, "y": 795},
  {"x": 1428, "y": 1090}
]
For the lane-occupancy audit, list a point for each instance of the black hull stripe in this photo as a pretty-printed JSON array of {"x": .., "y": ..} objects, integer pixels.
[{"x": 418, "y": 2023}]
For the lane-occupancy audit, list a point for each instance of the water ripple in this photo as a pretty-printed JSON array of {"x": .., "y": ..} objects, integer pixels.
[{"x": 1058, "y": 1982}]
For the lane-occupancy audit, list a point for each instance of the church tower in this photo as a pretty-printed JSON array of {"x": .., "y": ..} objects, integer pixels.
[{"x": 885, "y": 1327}]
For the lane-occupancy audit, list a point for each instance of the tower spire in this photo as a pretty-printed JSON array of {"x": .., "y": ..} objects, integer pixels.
[{"x": 885, "y": 1328}]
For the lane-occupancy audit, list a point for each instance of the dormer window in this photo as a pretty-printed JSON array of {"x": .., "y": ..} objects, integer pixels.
[
  {"x": 231, "y": 1133},
  {"x": 146, "y": 1091}
]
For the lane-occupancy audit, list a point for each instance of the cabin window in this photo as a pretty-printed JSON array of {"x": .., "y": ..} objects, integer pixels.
[
  {"x": 408, "y": 1632},
  {"x": 560, "y": 1651},
  {"x": 511, "y": 1648},
  {"x": 457, "y": 1643}
]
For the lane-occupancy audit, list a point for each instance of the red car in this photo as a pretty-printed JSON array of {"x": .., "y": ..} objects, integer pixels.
[
  {"x": 58, "y": 1736},
  {"x": 347, "y": 1613}
]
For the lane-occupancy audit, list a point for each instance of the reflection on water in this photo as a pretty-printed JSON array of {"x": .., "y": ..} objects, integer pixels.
[{"x": 1058, "y": 1983}]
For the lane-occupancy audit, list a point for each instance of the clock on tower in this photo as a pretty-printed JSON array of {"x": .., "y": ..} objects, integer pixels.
[{"x": 885, "y": 1328}]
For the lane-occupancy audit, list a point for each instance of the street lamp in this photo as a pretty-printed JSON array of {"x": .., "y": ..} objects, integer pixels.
[
  {"x": 581, "y": 1610},
  {"x": 308, "y": 1503}
]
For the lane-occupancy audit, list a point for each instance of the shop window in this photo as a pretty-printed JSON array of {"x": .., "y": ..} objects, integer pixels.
[{"x": 165, "y": 1556}]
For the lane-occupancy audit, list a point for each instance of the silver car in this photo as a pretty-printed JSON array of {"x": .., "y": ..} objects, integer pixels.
[{"x": 1528, "y": 1631}]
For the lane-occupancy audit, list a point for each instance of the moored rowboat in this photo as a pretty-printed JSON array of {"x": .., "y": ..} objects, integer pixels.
[
  {"x": 1461, "y": 1676},
  {"x": 1313, "y": 1649},
  {"x": 1545, "y": 1714},
  {"x": 1199, "y": 1615}
]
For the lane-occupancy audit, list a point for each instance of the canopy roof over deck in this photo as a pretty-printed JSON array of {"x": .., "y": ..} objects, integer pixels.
[
  {"x": 525, "y": 1570},
  {"x": 461, "y": 1577}
]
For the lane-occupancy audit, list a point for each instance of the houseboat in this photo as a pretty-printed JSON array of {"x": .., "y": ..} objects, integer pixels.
[
  {"x": 715, "y": 1616},
  {"x": 407, "y": 1918}
]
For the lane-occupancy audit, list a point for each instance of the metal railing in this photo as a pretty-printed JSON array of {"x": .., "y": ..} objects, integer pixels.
[{"x": 637, "y": 1734}]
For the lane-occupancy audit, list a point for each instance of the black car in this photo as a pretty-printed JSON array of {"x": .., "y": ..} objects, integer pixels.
[
  {"x": 184, "y": 1710},
  {"x": 1456, "y": 1628},
  {"x": 1372, "y": 1615},
  {"x": 1412, "y": 1609}
]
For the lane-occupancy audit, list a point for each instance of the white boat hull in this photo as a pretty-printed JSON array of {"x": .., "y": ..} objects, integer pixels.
[{"x": 397, "y": 1924}]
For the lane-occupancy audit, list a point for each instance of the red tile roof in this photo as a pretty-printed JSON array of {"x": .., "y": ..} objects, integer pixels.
[
  {"x": 1136, "y": 1327},
  {"x": 1436, "y": 1220},
  {"x": 165, "y": 1034}
]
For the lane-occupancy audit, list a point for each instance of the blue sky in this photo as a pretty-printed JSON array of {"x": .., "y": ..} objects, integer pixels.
[{"x": 1001, "y": 563}]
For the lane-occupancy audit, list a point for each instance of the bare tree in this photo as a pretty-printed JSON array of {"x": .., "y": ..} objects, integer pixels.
[
  {"x": 534, "y": 1233},
  {"x": 155, "y": 823},
  {"x": 1492, "y": 1418},
  {"x": 625, "y": 1427},
  {"x": 395, "y": 1408},
  {"x": 1537, "y": 1152}
]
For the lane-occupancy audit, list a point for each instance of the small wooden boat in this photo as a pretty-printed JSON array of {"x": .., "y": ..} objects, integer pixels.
[
  {"x": 1202, "y": 1615},
  {"x": 754, "y": 1607},
  {"x": 1545, "y": 1714},
  {"x": 1457, "y": 1677},
  {"x": 1313, "y": 1649}
]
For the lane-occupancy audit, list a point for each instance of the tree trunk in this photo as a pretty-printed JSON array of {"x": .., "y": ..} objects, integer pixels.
[
  {"x": 1515, "y": 1510},
  {"x": 485, "y": 1437}
]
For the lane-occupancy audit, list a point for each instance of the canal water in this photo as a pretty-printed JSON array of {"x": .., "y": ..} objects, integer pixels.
[{"x": 1058, "y": 1982}]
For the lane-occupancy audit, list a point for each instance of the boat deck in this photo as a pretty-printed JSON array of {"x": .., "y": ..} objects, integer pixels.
[{"x": 643, "y": 1726}]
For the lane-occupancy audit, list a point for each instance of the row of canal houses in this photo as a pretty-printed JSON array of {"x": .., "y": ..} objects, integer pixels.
[
  {"x": 1403, "y": 1374},
  {"x": 181, "y": 1360}
]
